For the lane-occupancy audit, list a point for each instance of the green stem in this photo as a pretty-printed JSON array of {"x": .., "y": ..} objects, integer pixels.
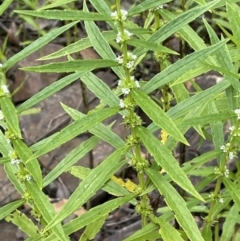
[{"x": 213, "y": 203}]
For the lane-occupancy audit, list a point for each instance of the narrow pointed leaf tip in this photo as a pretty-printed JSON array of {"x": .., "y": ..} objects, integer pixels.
[
  {"x": 65, "y": 15},
  {"x": 164, "y": 158},
  {"x": 72, "y": 66},
  {"x": 157, "y": 115}
]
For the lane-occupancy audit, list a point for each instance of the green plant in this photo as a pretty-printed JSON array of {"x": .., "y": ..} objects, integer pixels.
[{"x": 204, "y": 110}]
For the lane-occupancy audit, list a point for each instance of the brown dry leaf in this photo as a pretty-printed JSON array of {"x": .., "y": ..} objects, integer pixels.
[{"x": 59, "y": 205}]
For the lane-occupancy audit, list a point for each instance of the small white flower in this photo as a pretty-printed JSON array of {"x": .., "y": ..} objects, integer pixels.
[
  {"x": 119, "y": 38},
  {"x": 231, "y": 155},
  {"x": 132, "y": 78},
  {"x": 13, "y": 161},
  {"x": 1, "y": 65},
  {"x": 119, "y": 59},
  {"x": 119, "y": 82},
  {"x": 226, "y": 172},
  {"x": 237, "y": 111},
  {"x": 159, "y": 7},
  {"x": 125, "y": 91},
  {"x": 231, "y": 128},
  {"x": 28, "y": 178},
  {"x": 114, "y": 14},
  {"x": 137, "y": 84},
  {"x": 223, "y": 148},
  {"x": 130, "y": 64},
  {"x": 124, "y": 14},
  {"x": 121, "y": 103},
  {"x": 127, "y": 33},
  {"x": 131, "y": 56},
  {"x": 5, "y": 89},
  {"x": 220, "y": 200},
  {"x": 1, "y": 115}
]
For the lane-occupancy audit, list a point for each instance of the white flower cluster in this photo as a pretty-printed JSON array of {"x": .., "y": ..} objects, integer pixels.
[
  {"x": 121, "y": 38},
  {"x": 231, "y": 128},
  {"x": 128, "y": 85},
  {"x": 130, "y": 60},
  {"x": 220, "y": 200},
  {"x": 121, "y": 103},
  {"x": 226, "y": 149},
  {"x": 13, "y": 158},
  {"x": 28, "y": 178},
  {"x": 4, "y": 89},
  {"x": 233, "y": 131},
  {"x": 159, "y": 7},
  {"x": 224, "y": 173},
  {"x": 237, "y": 112},
  {"x": 15, "y": 161},
  {"x": 122, "y": 17}
]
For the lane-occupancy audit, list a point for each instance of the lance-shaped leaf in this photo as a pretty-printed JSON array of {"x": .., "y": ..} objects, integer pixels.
[
  {"x": 93, "y": 228},
  {"x": 100, "y": 89},
  {"x": 177, "y": 23},
  {"x": 150, "y": 46},
  {"x": 100, "y": 130},
  {"x": 10, "y": 114},
  {"x": 233, "y": 17},
  {"x": 45, "y": 208},
  {"x": 179, "y": 68},
  {"x": 167, "y": 231},
  {"x": 49, "y": 91},
  {"x": 62, "y": 15},
  {"x": 146, "y": 5},
  {"x": 100, "y": 44},
  {"x": 72, "y": 66},
  {"x": 83, "y": 43},
  {"x": 4, "y": 6},
  {"x": 164, "y": 158},
  {"x": 233, "y": 190},
  {"x": 223, "y": 57},
  {"x": 74, "y": 129},
  {"x": 33, "y": 167},
  {"x": 229, "y": 224},
  {"x": 92, "y": 215},
  {"x": 8, "y": 208},
  {"x": 24, "y": 223},
  {"x": 177, "y": 204},
  {"x": 197, "y": 100},
  {"x": 206, "y": 119},
  {"x": 74, "y": 156},
  {"x": 36, "y": 45},
  {"x": 90, "y": 185},
  {"x": 5, "y": 146},
  {"x": 157, "y": 115},
  {"x": 56, "y": 3},
  {"x": 11, "y": 171}
]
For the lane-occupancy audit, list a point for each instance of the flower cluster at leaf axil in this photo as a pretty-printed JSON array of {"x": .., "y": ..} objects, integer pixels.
[
  {"x": 223, "y": 173},
  {"x": 123, "y": 37},
  {"x": 121, "y": 16},
  {"x": 4, "y": 90},
  {"x": 227, "y": 149},
  {"x": 128, "y": 62}
]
